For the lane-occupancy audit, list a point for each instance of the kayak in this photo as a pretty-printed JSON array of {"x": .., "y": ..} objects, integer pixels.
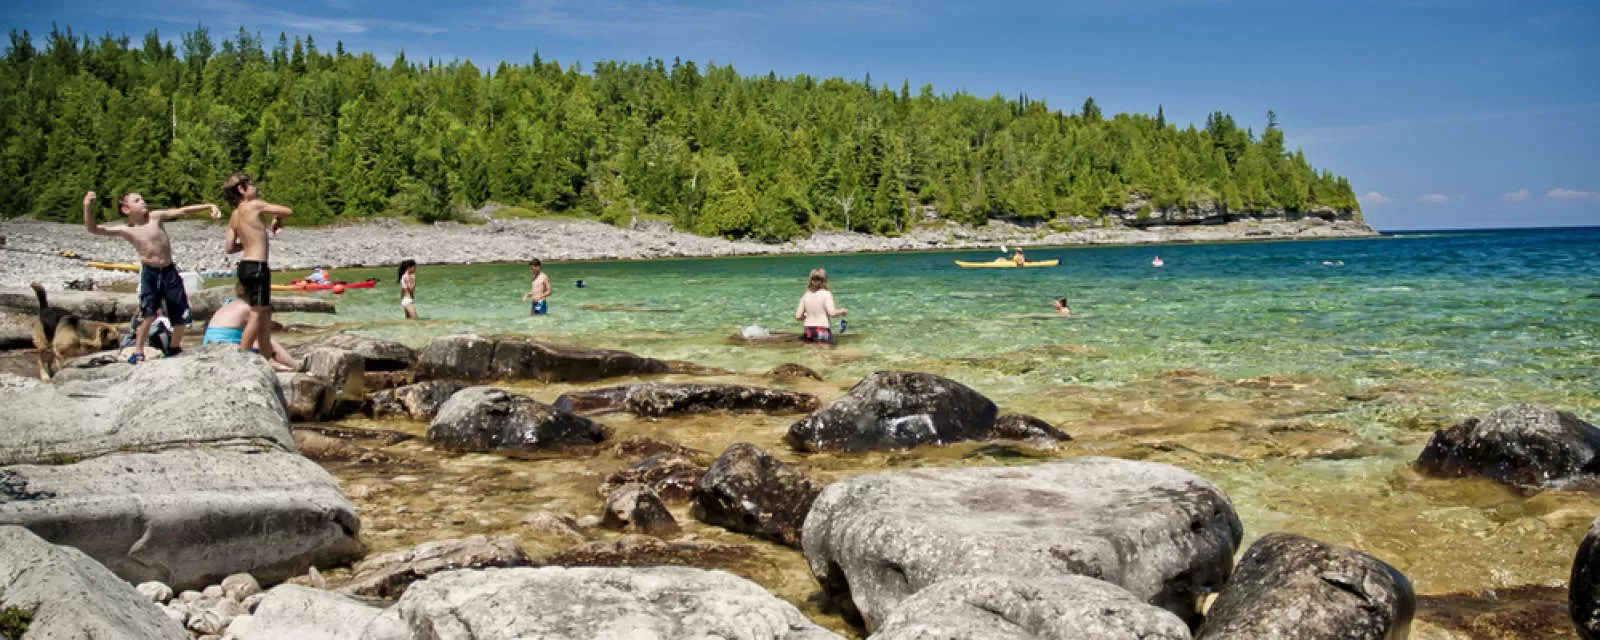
[
  {"x": 114, "y": 266},
  {"x": 311, "y": 286},
  {"x": 1004, "y": 263}
]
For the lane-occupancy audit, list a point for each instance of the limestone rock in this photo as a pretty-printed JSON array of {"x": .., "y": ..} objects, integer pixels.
[
  {"x": 658, "y": 399},
  {"x": 486, "y": 419},
  {"x": 306, "y": 397},
  {"x": 896, "y": 410},
  {"x": 240, "y": 586},
  {"x": 1008, "y": 608},
  {"x": 388, "y": 575},
  {"x": 1291, "y": 587},
  {"x": 474, "y": 359},
  {"x": 792, "y": 370},
  {"x": 672, "y": 476},
  {"x": 376, "y": 355},
  {"x": 1522, "y": 445},
  {"x": 639, "y": 550},
  {"x": 559, "y": 603},
  {"x": 1583, "y": 590},
  {"x": 419, "y": 401},
  {"x": 1159, "y": 532},
  {"x": 345, "y": 372},
  {"x": 748, "y": 491},
  {"x": 293, "y": 612},
  {"x": 1017, "y": 426},
  {"x": 636, "y": 508},
  {"x": 70, "y": 595}
]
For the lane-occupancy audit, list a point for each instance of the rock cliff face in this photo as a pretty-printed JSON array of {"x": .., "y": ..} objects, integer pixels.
[{"x": 1138, "y": 213}]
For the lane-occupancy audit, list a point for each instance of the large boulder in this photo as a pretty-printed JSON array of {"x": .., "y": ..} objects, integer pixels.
[
  {"x": 1290, "y": 586},
  {"x": 559, "y": 603},
  {"x": 1583, "y": 590},
  {"x": 658, "y": 399},
  {"x": 179, "y": 470},
  {"x": 1162, "y": 533},
  {"x": 636, "y": 507},
  {"x": 475, "y": 359},
  {"x": 69, "y": 595},
  {"x": 420, "y": 401},
  {"x": 896, "y": 410},
  {"x": 378, "y": 355},
  {"x": 306, "y": 397},
  {"x": 345, "y": 372},
  {"x": 1522, "y": 445},
  {"x": 486, "y": 419},
  {"x": 293, "y": 612},
  {"x": 1008, "y": 608},
  {"x": 748, "y": 491},
  {"x": 387, "y": 575}
]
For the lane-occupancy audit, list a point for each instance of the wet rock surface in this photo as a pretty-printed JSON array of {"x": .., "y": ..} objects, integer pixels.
[
  {"x": 307, "y": 398},
  {"x": 1159, "y": 532},
  {"x": 387, "y": 575},
  {"x": 1522, "y": 445},
  {"x": 377, "y": 355},
  {"x": 792, "y": 370},
  {"x": 1291, "y": 586},
  {"x": 1017, "y": 426},
  {"x": 748, "y": 491},
  {"x": 635, "y": 507},
  {"x": 489, "y": 419},
  {"x": 475, "y": 359},
  {"x": 1584, "y": 587},
  {"x": 1005, "y": 608},
  {"x": 420, "y": 401},
  {"x": 896, "y": 410},
  {"x": 664, "y": 399},
  {"x": 671, "y": 475}
]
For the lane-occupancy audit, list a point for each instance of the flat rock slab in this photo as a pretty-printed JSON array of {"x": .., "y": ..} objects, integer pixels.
[
  {"x": 387, "y": 575},
  {"x": 1008, "y": 608},
  {"x": 188, "y": 517},
  {"x": 70, "y": 595},
  {"x": 476, "y": 359},
  {"x": 1160, "y": 532},
  {"x": 213, "y": 395},
  {"x": 293, "y": 612},
  {"x": 559, "y": 603},
  {"x": 1291, "y": 587},
  {"x": 379, "y": 355},
  {"x": 659, "y": 399},
  {"x": 1522, "y": 445}
]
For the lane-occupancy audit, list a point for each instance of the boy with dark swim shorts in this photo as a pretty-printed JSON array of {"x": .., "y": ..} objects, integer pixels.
[
  {"x": 159, "y": 283},
  {"x": 247, "y": 234}
]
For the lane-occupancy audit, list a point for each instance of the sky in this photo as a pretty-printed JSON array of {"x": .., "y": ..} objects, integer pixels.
[{"x": 1442, "y": 113}]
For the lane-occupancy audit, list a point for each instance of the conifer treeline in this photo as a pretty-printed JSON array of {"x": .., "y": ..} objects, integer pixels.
[{"x": 341, "y": 134}]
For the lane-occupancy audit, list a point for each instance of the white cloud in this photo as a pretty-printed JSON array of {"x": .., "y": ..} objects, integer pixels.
[
  {"x": 1559, "y": 193},
  {"x": 1375, "y": 198},
  {"x": 1434, "y": 198},
  {"x": 1520, "y": 195}
]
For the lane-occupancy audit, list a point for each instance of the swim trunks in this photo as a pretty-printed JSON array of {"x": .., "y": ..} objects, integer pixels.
[
  {"x": 257, "y": 280},
  {"x": 819, "y": 335},
  {"x": 539, "y": 308},
  {"x": 160, "y": 286}
]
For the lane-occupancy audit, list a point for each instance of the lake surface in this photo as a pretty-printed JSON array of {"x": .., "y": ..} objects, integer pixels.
[{"x": 1301, "y": 377}]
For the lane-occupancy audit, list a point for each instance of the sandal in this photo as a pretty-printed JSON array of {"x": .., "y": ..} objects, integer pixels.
[{"x": 136, "y": 358}]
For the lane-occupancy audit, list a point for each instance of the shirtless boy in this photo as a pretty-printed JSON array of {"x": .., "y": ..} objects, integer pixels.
[
  {"x": 159, "y": 282},
  {"x": 539, "y": 289},
  {"x": 247, "y": 234}
]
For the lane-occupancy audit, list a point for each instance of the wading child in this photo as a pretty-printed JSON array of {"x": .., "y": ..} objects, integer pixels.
[
  {"x": 408, "y": 288},
  {"x": 159, "y": 281},
  {"x": 816, "y": 310},
  {"x": 247, "y": 235}
]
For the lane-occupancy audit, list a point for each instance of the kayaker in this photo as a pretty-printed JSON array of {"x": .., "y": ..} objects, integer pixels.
[
  {"x": 816, "y": 310},
  {"x": 319, "y": 275},
  {"x": 1018, "y": 257},
  {"x": 408, "y": 288}
]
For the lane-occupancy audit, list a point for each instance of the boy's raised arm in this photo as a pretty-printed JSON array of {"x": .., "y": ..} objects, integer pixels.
[
  {"x": 168, "y": 214},
  {"x": 94, "y": 226}
]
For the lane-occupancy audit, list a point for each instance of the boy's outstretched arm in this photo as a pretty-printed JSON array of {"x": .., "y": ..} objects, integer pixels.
[
  {"x": 167, "y": 214},
  {"x": 92, "y": 225}
]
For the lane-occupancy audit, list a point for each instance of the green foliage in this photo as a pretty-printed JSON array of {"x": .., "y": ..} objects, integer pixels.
[
  {"x": 341, "y": 134},
  {"x": 14, "y": 623}
]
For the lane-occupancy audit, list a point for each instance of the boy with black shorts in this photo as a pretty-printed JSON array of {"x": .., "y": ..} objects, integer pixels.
[
  {"x": 247, "y": 234},
  {"x": 159, "y": 282}
]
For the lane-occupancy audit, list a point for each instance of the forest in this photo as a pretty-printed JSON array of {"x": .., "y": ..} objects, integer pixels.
[{"x": 341, "y": 136}]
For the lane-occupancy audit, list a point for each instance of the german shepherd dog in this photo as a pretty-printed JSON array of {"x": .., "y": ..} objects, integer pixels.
[{"x": 60, "y": 336}]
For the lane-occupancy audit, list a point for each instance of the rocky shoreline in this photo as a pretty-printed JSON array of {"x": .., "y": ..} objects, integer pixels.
[{"x": 32, "y": 249}]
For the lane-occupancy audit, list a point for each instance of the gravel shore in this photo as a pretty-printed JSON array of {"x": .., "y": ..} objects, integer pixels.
[{"x": 32, "y": 249}]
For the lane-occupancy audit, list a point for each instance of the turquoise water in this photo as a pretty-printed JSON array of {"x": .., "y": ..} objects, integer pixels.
[{"x": 1483, "y": 317}]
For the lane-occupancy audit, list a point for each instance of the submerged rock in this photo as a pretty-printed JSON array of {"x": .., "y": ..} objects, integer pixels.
[
  {"x": 487, "y": 419},
  {"x": 748, "y": 491},
  {"x": 558, "y": 603},
  {"x": 792, "y": 370},
  {"x": 672, "y": 476},
  {"x": 419, "y": 401},
  {"x": 1162, "y": 533},
  {"x": 1583, "y": 590},
  {"x": 636, "y": 508},
  {"x": 1017, "y": 426},
  {"x": 659, "y": 399},
  {"x": 1007, "y": 608},
  {"x": 69, "y": 595},
  {"x": 473, "y": 358},
  {"x": 639, "y": 550},
  {"x": 1522, "y": 445},
  {"x": 387, "y": 575},
  {"x": 1290, "y": 586},
  {"x": 896, "y": 410}
]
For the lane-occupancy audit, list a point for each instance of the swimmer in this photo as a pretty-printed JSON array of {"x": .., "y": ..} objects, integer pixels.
[
  {"x": 1158, "y": 262},
  {"x": 1061, "y": 306}
]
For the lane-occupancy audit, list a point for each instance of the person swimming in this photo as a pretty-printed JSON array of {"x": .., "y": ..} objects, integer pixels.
[
  {"x": 1158, "y": 262},
  {"x": 1061, "y": 306}
]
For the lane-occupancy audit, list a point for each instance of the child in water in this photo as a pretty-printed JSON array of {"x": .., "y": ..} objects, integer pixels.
[
  {"x": 816, "y": 310},
  {"x": 1061, "y": 306},
  {"x": 408, "y": 288}
]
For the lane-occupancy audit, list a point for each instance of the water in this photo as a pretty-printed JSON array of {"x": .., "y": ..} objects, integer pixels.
[{"x": 1301, "y": 377}]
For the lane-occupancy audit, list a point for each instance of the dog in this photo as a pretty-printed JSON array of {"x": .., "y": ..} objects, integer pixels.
[{"x": 60, "y": 336}]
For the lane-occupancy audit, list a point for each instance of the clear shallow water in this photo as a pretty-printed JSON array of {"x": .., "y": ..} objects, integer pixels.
[{"x": 1303, "y": 389}]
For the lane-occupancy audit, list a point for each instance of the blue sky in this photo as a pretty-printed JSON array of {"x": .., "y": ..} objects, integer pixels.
[{"x": 1443, "y": 113}]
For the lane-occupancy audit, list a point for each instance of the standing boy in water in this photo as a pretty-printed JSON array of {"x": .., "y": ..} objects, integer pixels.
[
  {"x": 248, "y": 234},
  {"x": 539, "y": 289},
  {"x": 159, "y": 281}
]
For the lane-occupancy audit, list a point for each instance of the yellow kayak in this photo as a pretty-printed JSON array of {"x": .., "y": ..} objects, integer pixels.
[
  {"x": 1005, "y": 263},
  {"x": 114, "y": 266}
]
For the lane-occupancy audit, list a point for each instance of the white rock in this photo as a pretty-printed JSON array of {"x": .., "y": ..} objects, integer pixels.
[{"x": 155, "y": 591}]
